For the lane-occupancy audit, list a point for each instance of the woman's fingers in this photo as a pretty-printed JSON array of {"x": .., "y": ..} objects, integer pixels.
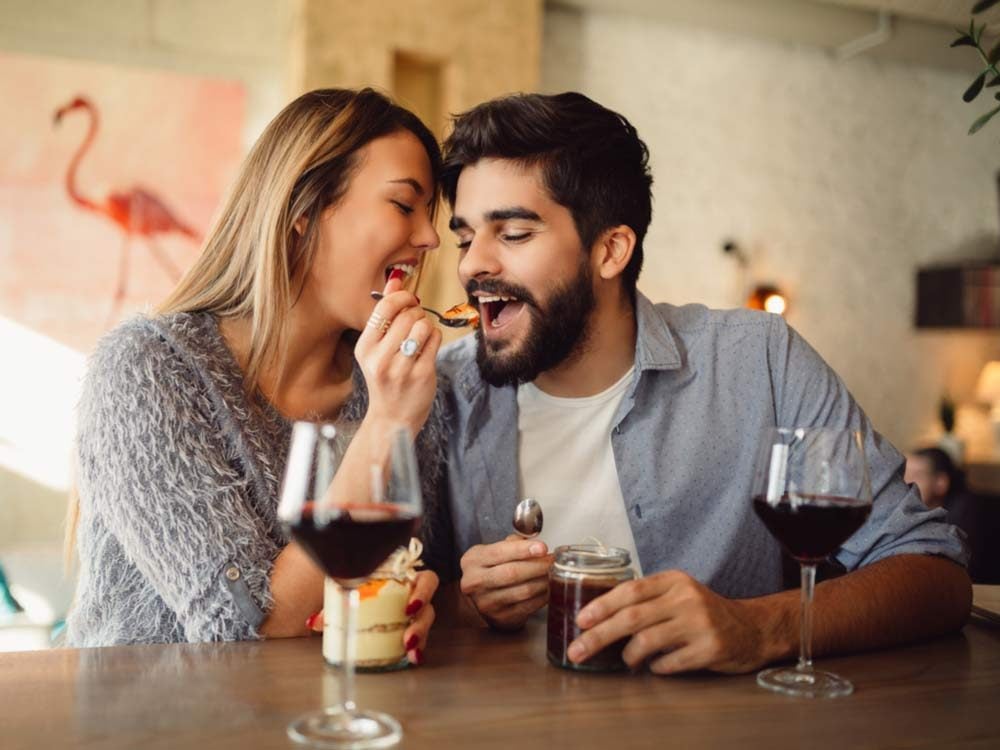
[{"x": 424, "y": 586}]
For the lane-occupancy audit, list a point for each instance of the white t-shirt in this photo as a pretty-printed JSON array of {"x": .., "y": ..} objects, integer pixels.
[{"x": 566, "y": 463}]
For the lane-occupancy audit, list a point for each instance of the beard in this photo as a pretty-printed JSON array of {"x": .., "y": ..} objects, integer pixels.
[{"x": 558, "y": 331}]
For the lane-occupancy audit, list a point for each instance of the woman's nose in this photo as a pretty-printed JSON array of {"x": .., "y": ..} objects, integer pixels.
[{"x": 426, "y": 237}]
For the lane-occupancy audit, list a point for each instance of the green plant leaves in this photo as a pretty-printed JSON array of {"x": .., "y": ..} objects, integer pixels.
[
  {"x": 964, "y": 41},
  {"x": 983, "y": 119},
  {"x": 977, "y": 85}
]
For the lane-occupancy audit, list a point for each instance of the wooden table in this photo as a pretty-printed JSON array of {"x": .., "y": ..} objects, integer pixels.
[{"x": 487, "y": 690}]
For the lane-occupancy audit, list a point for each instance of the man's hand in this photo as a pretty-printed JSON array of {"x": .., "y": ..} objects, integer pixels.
[
  {"x": 679, "y": 625},
  {"x": 507, "y": 581}
]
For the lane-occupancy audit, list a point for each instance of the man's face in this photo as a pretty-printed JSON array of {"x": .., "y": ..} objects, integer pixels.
[
  {"x": 523, "y": 266},
  {"x": 933, "y": 486}
]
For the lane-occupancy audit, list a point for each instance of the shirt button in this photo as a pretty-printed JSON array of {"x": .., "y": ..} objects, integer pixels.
[{"x": 232, "y": 573}]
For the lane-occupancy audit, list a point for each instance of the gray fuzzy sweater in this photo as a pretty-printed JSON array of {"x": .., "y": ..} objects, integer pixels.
[{"x": 178, "y": 476}]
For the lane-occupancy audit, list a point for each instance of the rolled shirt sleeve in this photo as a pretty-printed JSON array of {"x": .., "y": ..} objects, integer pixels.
[{"x": 809, "y": 393}]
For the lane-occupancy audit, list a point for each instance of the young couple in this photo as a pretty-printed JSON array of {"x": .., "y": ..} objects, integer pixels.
[{"x": 637, "y": 423}]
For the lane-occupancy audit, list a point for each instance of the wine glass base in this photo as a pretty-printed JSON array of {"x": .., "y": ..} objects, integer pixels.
[
  {"x": 811, "y": 683},
  {"x": 346, "y": 730}
]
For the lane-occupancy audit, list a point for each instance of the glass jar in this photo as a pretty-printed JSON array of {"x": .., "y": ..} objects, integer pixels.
[{"x": 580, "y": 574}]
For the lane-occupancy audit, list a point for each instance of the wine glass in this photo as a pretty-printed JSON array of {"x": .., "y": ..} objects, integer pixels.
[
  {"x": 348, "y": 526},
  {"x": 812, "y": 490}
]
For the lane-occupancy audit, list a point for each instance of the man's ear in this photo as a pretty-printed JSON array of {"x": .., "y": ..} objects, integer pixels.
[
  {"x": 942, "y": 484},
  {"x": 613, "y": 250}
]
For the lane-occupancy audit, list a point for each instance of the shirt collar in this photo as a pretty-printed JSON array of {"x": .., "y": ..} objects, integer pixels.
[{"x": 655, "y": 348}]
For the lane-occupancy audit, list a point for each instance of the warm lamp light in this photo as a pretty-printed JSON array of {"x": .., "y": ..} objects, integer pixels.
[
  {"x": 768, "y": 298},
  {"x": 988, "y": 391}
]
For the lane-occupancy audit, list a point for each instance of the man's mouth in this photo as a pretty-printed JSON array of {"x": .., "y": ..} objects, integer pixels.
[
  {"x": 498, "y": 309},
  {"x": 401, "y": 271}
]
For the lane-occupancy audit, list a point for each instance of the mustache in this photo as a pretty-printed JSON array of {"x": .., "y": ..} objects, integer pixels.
[{"x": 495, "y": 286}]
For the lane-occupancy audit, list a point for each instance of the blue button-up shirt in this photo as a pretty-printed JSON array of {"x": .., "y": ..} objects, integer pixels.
[{"x": 707, "y": 383}]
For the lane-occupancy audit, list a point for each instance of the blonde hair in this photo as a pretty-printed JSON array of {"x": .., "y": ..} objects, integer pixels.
[{"x": 254, "y": 260}]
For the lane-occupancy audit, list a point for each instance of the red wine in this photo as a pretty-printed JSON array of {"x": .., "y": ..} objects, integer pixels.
[
  {"x": 813, "y": 528},
  {"x": 353, "y": 541}
]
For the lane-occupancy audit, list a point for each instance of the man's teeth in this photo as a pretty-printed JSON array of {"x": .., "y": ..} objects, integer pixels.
[{"x": 496, "y": 298}]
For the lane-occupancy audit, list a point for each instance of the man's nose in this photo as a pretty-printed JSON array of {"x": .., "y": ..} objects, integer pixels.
[{"x": 479, "y": 259}]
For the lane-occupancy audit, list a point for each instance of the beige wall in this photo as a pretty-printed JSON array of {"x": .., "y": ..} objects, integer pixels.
[
  {"x": 838, "y": 178},
  {"x": 482, "y": 49}
]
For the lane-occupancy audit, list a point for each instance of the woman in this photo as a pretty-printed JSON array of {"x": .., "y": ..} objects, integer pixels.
[{"x": 185, "y": 418}]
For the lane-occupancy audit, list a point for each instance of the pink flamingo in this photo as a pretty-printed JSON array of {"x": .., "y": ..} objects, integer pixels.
[{"x": 137, "y": 212}]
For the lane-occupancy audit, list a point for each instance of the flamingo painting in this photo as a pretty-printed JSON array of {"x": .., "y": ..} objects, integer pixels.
[{"x": 137, "y": 212}]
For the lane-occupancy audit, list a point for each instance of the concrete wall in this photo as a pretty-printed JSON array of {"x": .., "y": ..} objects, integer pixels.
[{"x": 838, "y": 179}]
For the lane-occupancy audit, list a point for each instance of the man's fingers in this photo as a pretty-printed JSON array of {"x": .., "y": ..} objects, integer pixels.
[
  {"x": 627, "y": 594},
  {"x": 637, "y": 621},
  {"x": 655, "y": 639},
  {"x": 516, "y": 615},
  {"x": 480, "y": 579},
  {"x": 684, "y": 659},
  {"x": 486, "y": 555},
  {"x": 495, "y": 600}
]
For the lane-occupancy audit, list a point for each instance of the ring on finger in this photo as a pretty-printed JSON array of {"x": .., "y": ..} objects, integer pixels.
[
  {"x": 409, "y": 347},
  {"x": 379, "y": 322}
]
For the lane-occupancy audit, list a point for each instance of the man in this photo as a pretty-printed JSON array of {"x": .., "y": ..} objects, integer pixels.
[
  {"x": 637, "y": 424},
  {"x": 934, "y": 473}
]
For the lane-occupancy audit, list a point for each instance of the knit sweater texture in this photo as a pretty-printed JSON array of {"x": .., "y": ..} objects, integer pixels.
[{"x": 178, "y": 477}]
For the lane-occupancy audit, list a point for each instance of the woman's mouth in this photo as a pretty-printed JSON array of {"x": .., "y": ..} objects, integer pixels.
[{"x": 401, "y": 271}]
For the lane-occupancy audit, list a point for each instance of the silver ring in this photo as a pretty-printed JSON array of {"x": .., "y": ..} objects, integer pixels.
[{"x": 409, "y": 347}]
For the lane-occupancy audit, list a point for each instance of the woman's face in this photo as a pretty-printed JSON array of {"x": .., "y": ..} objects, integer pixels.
[{"x": 381, "y": 223}]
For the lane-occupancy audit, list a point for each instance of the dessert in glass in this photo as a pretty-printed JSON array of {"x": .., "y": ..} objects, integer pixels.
[{"x": 381, "y": 616}]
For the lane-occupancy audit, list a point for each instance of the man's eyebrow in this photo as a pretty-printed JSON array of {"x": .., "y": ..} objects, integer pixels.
[
  {"x": 499, "y": 214},
  {"x": 514, "y": 212},
  {"x": 417, "y": 187}
]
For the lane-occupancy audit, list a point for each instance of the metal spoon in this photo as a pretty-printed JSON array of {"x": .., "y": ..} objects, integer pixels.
[
  {"x": 449, "y": 322},
  {"x": 528, "y": 518}
]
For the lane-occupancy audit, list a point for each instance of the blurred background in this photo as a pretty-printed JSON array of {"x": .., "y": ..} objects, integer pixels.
[{"x": 813, "y": 149}]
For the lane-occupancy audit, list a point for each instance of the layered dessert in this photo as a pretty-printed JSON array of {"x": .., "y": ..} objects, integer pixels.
[
  {"x": 463, "y": 311},
  {"x": 381, "y": 617}
]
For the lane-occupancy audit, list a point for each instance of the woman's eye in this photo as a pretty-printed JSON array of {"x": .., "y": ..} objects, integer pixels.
[
  {"x": 464, "y": 244},
  {"x": 403, "y": 207}
]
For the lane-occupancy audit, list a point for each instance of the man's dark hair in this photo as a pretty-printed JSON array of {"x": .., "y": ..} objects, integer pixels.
[
  {"x": 592, "y": 160},
  {"x": 941, "y": 463}
]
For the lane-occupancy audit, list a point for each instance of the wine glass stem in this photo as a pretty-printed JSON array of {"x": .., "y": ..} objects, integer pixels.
[
  {"x": 348, "y": 617},
  {"x": 805, "y": 635}
]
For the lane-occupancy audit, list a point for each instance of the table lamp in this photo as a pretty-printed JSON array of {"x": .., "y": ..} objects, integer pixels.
[{"x": 988, "y": 391}]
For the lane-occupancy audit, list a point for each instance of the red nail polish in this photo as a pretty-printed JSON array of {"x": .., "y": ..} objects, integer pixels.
[
  {"x": 396, "y": 274},
  {"x": 311, "y": 620},
  {"x": 413, "y": 607},
  {"x": 411, "y": 642},
  {"x": 417, "y": 656}
]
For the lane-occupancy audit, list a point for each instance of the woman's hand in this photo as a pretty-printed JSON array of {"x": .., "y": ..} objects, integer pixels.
[
  {"x": 420, "y": 611},
  {"x": 401, "y": 387}
]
